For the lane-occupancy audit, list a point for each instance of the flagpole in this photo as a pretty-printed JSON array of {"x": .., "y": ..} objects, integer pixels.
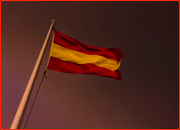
[{"x": 24, "y": 99}]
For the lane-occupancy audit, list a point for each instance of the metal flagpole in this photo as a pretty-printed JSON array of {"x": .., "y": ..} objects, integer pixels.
[{"x": 22, "y": 104}]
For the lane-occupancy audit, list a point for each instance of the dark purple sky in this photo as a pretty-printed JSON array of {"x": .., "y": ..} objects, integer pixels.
[{"x": 146, "y": 32}]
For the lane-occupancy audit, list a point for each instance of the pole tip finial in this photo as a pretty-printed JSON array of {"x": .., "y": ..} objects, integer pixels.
[{"x": 52, "y": 20}]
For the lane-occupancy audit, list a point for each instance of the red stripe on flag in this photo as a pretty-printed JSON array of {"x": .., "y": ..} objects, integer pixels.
[
  {"x": 73, "y": 44},
  {"x": 70, "y": 67}
]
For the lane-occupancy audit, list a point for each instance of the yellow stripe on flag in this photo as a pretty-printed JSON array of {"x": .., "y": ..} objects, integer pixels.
[{"x": 82, "y": 58}]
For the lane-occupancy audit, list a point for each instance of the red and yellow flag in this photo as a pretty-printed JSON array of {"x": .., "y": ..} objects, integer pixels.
[{"x": 72, "y": 56}]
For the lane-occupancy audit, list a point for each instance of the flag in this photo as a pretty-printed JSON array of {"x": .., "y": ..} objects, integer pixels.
[{"x": 69, "y": 55}]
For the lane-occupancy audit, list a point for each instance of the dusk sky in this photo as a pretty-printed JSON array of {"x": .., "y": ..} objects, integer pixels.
[{"x": 147, "y": 97}]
